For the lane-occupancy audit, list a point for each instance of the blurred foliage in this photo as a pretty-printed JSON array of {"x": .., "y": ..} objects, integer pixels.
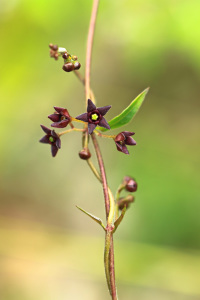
[{"x": 137, "y": 44}]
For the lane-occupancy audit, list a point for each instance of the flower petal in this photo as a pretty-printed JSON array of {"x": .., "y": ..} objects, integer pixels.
[
  {"x": 60, "y": 124},
  {"x": 59, "y": 109},
  {"x": 119, "y": 146},
  {"x": 120, "y": 137},
  {"x": 83, "y": 117},
  {"x": 45, "y": 129},
  {"x": 54, "y": 150},
  {"x": 90, "y": 106},
  {"x": 91, "y": 127},
  {"x": 58, "y": 143},
  {"x": 130, "y": 141},
  {"x": 54, "y": 134},
  {"x": 103, "y": 110},
  {"x": 128, "y": 133},
  {"x": 44, "y": 139},
  {"x": 125, "y": 150},
  {"x": 54, "y": 117},
  {"x": 104, "y": 123}
]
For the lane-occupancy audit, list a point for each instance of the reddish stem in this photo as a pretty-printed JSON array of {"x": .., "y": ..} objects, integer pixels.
[
  {"x": 103, "y": 174},
  {"x": 89, "y": 48}
]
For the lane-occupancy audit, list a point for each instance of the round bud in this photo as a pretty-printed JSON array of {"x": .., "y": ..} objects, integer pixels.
[
  {"x": 54, "y": 47},
  {"x": 65, "y": 55},
  {"x": 68, "y": 67},
  {"x": 77, "y": 65},
  {"x": 131, "y": 185},
  {"x": 50, "y": 45},
  {"x": 85, "y": 154}
]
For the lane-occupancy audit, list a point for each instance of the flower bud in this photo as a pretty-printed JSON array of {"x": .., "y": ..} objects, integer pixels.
[
  {"x": 65, "y": 55},
  {"x": 68, "y": 67},
  {"x": 85, "y": 154},
  {"x": 77, "y": 65},
  {"x": 131, "y": 185}
]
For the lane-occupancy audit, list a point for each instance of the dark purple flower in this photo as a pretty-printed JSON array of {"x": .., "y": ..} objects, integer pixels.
[
  {"x": 61, "y": 117},
  {"x": 94, "y": 116},
  {"x": 124, "y": 138},
  {"x": 51, "y": 138}
]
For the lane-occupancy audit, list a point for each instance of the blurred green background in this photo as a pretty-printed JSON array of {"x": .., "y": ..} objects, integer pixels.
[{"x": 48, "y": 249}]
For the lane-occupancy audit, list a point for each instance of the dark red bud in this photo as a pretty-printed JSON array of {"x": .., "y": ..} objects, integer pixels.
[
  {"x": 85, "y": 154},
  {"x": 68, "y": 67},
  {"x": 131, "y": 186},
  {"x": 65, "y": 55},
  {"x": 77, "y": 65}
]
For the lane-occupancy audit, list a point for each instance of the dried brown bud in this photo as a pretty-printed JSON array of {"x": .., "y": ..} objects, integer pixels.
[
  {"x": 54, "y": 47},
  {"x": 125, "y": 202},
  {"x": 68, "y": 67},
  {"x": 85, "y": 154}
]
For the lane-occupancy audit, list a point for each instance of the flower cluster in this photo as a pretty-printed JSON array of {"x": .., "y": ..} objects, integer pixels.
[
  {"x": 61, "y": 119},
  {"x": 94, "y": 117},
  {"x": 70, "y": 61}
]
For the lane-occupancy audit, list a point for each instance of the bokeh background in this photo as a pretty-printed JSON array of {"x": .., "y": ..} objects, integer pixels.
[{"x": 50, "y": 250}]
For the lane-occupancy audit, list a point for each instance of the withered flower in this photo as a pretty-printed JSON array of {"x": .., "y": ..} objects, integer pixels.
[
  {"x": 124, "y": 138},
  {"x": 51, "y": 138},
  {"x": 54, "y": 51},
  {"x": 94, "y": 116},
  {"x": 61, "y": 117}
]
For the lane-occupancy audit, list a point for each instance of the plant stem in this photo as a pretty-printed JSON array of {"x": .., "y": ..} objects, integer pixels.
[
  {"x": 89, "y": 48},
  {"x": 103, "y": 174},
  {"x": 108, "y": 197}
]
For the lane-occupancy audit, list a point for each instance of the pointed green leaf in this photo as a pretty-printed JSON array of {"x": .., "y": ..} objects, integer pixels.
[
  {"x": 127, "y": 114},
  {"x": 99, "y": 221}
]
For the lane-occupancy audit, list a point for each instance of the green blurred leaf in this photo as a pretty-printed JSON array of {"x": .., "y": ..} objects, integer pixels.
[
  {"x": 99, "y": 221},
  {"x": 128, "y": 113}
]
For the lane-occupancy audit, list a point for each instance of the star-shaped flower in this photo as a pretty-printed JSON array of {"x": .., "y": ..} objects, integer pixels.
[
  {"x": 51, "y": 138},
  {"x": 61, "y": 117},
  {"x": 94, "y": 116},
  {"x": 124, "y": 138}
]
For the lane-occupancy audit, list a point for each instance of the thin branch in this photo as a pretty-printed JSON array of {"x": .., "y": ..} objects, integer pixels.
[{"x": 89, "y": 48}]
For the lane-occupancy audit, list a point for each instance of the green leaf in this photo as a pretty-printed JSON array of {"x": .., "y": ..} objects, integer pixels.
[
  {"x": 126, "y": 115},
  {"x": 99, "y": 221}
]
